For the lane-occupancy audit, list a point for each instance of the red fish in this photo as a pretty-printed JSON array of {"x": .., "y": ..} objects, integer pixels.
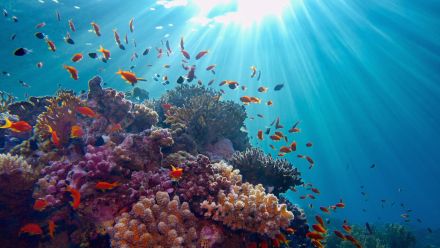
[
  {"x": 176, "y": 173},
  {"x": 86, "y": 111},
  {"x": 77, "y": 57},
  {"x": 347, "y": 228},
  {"x": 31, "y": 229},
  {"x": 52, "y": 226},
  {"x": 319, "y": 228},
  {"x": 315, "y": 190},
  {"x": 130, "y": 25},
  {"x": 117, "y": 38},
  {"x": 54, "y": 135},
  {"x": 317, "y": 243},
  {"x": 275, "y": 137},
  {"x": 73, "y": 71},
  {"x": 96, "y": 28},
  {"x": 76, "y": 196},
  {"x": 71, "y": 25},
  {"x": 319, "y": 220},
  {"x": 185, "y": 54},
  {"x": 314, "y": 235},
  {"x": 293, "y": 146},
  {"x": 262, "y": 89},
  {"x": 324, "y": 209},
  {"x": 201, "y": 54},
  {"x": 294, "y": 128},
  {"x": 309, "y": 144},
  {"x": 269, "y": 103},
  {"x": 18, "y": 127},
  {"x": 285, "y": 149},
  {"x": 40, "y": 204},
  {"x": 40, "y": 25},
  {"x": 191, "y": 73},
  {"x": 76, "y": 132},
  {"x": 339, "y": 234},
  {"x": 166, "y": 106},
  {"x": 260, "y": 134},
  {"x": 51, "y": 45},
  {"x": 106, "y": 185},
  {"x": 211, "y": 67}
]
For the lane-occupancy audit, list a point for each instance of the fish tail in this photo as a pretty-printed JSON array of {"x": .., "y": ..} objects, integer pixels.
[
  {"x": 7, "y": 124},
  {"x": 141, "y": 79}
]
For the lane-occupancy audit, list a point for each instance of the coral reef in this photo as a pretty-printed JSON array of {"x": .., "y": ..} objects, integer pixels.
[
  {"x": 29, "y": 110},
  {"x": 249, "y": 208},
  {"x": 156, "y": 221},
  {"x": 144, "y": 118},
  {"x": 278, "y": 175},
  {"x": 6, "y": 99}
]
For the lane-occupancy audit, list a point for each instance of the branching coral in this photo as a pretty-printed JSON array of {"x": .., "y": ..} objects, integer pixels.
[
  {"x": 29, "y": 110},
  {"x": 257, "y": 167},
  {"x": 156, "y": 222},
  {"x": 60, "y": 115},
  {"x": 144, "y": 118},
  {"x": 6, "y": 99},
  {"x": 248, "y": 207},
  {"x": 143, "y": 151}
]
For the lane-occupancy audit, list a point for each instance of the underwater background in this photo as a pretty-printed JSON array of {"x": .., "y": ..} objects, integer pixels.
[{"x": 362, "y": 77}]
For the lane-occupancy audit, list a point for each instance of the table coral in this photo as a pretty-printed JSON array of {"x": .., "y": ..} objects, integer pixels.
[
  {"x": 257, "y": 167},
  {"x": 156, "y": 221}
]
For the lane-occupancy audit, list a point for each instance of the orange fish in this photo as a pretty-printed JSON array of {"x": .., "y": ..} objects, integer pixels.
[
  {"x": 277, "y": 133},
  {"x": 282, "y": 239},
  {"x": 315, "y": 190},
  {"x": 51, "y": 45},
  {"x": 31, "y": 229},
  {"x": 96, "y": 28},
  {"x": 275, "y": 137},
  {"x": 309, "y": 144},
  {"x": 115, "y": 128},
  {"x": 324, "y": 209},
  {"x": 290, "y": 230},
  {"x": 40, "y": 204},
  {"x": 340, "y": 205},
  {"x": 319, "y": 220},
  {"x": 262, "y": 89},
  {"x": 77, "y": 57},
  {"x": 176, "y": 173},
  {"x": 255, "y": 99},
  {"x": 317, "y": 243},
  {"x": 52, "y": 226},
  {"x": 130, "y": 77},
  {"x": 201, "y": 54},
  {"x": 245, "y": 99},
  {"x": 319, "y": 228},
  {"x": 72, "y": 70},
  {"x": 269, "y": 103},
  {"x": 271, "y": 146},
  {"x": 130, "y": 25},
  {"x": 311, "y": 162},
  {"x": 314, "y": 235},
  {"x": 55, "y": 139},
  {"x": 105, "y": 52},
  {"x": 285, "y": 149},
  {"x": 106, "y": 186},
  {"x": 76, "y": 132},
  {"x": 19, "y": 126},
  {"x": 347, "y": 228},
  {"x": 339, "y": 234},
  {"x": 294, "y": 128},
  {"x": 293, "y": 146},
  {"x": 86, "y": 111},
  {"x": 260, "y": 135},
  {"x": 76, "y": 196}
]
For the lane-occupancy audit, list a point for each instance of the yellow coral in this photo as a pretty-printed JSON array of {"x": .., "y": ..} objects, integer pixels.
[
  {"x": 156, "y": 222},
  {"x": 60, "y": 115}
]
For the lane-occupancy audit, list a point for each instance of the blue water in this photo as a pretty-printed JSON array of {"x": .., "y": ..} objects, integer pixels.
[{"x": 362, "y": 76}]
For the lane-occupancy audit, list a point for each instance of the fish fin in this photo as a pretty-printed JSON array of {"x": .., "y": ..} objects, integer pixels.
[
  {"x": 7, "y": 124},
  {"x": 141, "y": 79}
]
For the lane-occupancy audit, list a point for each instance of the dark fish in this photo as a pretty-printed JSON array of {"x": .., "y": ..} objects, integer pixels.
[
  {"x": 180, "y": 80},
  {"x": 372, "y": 166},
  {"x": 58, "y": 15},
  {"x": 370, "y": 231},
  {"x": 122, "y": 47},
  {"x": 277, "y": 124},
  {"x": 104, "y": 60},
  {"x": 22, "y": 51},
  {"x": 99, "y": 141},
  {"x": 93, "y": 55},
  {"x": 429, "y": 230},
  {"x": 419, "y": 220},
  {"x": 24, "y": 84},
  {"x": 267, "y": 131},
  {"x": 232, "y": 86},
  {"x": 15, "y": 19},
  {"x": 5, "y": 13},
  {"x": 69, "y": 41},
  {"x": 132, "y": 67},
  {"x": 211, "y": 82},
  {"x": 5, "y": 73},
  {"x": 278, "y": 87},
  {"x": 40, "y": 35},
  {"x": 146, "y": 52},
  {"x": 273, "y": 122},
  {"x": 259, "y": 75},
  {"x": 168, "y": 46},
  {"x": 13, "y": 36}
]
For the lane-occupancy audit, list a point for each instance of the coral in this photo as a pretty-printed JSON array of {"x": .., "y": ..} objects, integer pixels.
[
  {"x": 108, "y": 102},
  {"x": 137, "y": 95},
  {"x": 60, "y": 115},
  {"x": 248, "y": 207},
  {"x": 6, "y": 99},
  {"x": 223, "y": 149},
  {"x": 16, "y": 182},
  {"x": 149, "y": 183},
  {"x": 143, "y": 151},
  {"x": 197, "y": 113},
  {"x": 299, "y": 224},
  {"x": 257, "y": 167},
  {"x": 156, "y": 221},
  {"x": 29, "y": 110},
  {"x": 177, "y": 158},
  {"x": 144, "y": 118}
]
